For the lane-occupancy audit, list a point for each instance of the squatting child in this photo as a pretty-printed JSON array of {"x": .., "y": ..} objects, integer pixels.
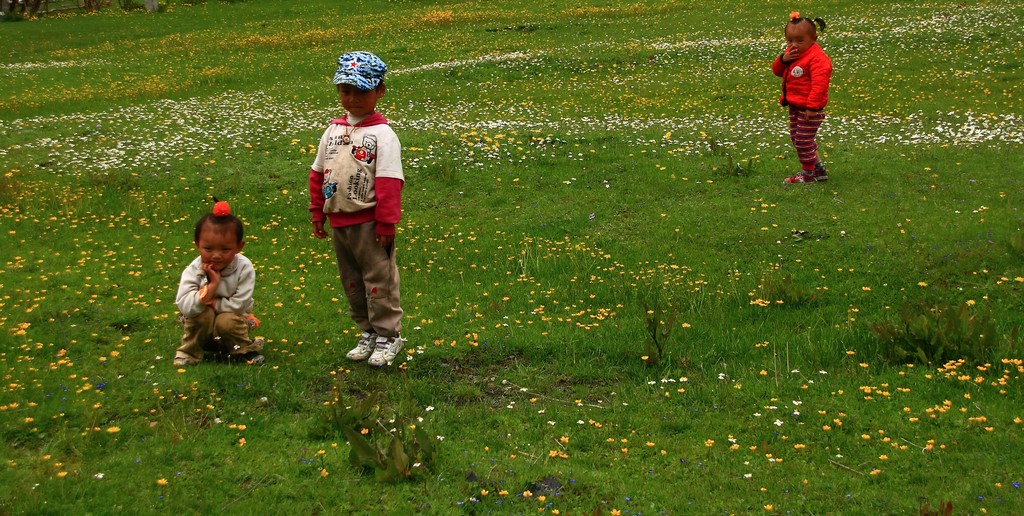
[
  {"x": 355, "y": 185},
  {"x": 215, "y": 293},
  {"x": 806, "y": 71}
]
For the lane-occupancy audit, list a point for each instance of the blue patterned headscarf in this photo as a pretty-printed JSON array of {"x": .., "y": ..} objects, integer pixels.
[{"x": 360, "y": 69}]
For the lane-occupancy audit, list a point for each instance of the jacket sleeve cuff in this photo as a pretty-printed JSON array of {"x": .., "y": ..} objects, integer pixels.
[{"x": 385, "y": 229}]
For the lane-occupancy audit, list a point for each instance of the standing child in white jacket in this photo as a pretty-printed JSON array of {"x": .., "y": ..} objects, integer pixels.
[{"x": 355, "y": 197}]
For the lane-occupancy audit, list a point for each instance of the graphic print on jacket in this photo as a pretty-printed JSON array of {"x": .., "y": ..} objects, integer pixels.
[
  {"x": 330, "y": 187},
  {"x": 356, "y": 182},
  {"x": 367, "y": 152},
  {"x": 358, "y": 187}
]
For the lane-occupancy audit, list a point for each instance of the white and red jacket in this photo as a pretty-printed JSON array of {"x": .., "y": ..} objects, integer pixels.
[
  {"x": 357, "y": 175},
  {"x": 805, "y": 81}
]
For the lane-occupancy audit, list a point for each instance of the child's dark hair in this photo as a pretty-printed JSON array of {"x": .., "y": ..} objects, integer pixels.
[
  {"x": 221, "y": 219},
  {"x": 816, "y": 23}
]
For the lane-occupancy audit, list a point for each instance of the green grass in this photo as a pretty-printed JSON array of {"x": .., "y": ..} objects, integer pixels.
[{"x": 580, "y": 177}]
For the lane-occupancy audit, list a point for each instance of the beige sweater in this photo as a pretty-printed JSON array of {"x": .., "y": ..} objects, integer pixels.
[{"x": 234, "y": 294}]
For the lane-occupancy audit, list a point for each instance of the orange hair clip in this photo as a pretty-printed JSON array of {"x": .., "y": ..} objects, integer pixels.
[
  {"x": 221, "y": 209},
  {"x": 794, "y": 15}
]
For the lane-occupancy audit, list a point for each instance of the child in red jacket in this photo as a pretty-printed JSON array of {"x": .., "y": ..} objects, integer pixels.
[{"x": 806, "y": 72}]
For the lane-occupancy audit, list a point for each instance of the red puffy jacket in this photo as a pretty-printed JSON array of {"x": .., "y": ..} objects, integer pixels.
[{"x": 805, "y": 81}]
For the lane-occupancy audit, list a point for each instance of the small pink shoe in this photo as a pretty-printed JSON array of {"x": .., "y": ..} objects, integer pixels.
[{"x": 807, "y": 177}]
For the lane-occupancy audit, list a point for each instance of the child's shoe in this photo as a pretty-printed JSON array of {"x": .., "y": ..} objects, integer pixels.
[
  {"x": 808, "y": 177},
  {"x": 182, "y": 362},
  {"x": 364, "y": 348},
  {"x": 252, "y": 357},
  {"x": 386, "y": 349},
  {"x": 802, "y": 177},
  {"x": 819, "y": 172}
]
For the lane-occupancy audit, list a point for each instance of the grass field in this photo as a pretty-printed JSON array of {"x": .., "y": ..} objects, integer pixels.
[{"x": 613, "y": 305}]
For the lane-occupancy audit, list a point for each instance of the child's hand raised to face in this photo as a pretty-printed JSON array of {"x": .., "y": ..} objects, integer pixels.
[
  {"x": 212, "y": 274},
  {"x": 207, "y": 294},
  {"x": 791, "y": 54}
]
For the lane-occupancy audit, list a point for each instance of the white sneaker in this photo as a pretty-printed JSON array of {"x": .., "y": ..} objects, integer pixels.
[
  {"x": 386, "y": 350},
  {"x": 364, "y": 348}
]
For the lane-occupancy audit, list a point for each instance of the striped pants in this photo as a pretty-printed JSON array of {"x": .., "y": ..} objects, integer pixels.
[{"x": 802, "y": 130}]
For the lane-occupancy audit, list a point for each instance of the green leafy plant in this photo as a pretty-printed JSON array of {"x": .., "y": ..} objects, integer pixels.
[
  {"x": 403, "y": 452},
  {"x": 929, "y": 333},
  {"x": 776, "y": 288},
  {"x": 733, "y": 167},
  {"x": 659, "y": 319},
  {"x": 660, "y": 313}
]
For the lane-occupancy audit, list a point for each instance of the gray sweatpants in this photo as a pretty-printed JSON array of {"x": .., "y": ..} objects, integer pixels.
[{"x": 369, "y": 275}]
